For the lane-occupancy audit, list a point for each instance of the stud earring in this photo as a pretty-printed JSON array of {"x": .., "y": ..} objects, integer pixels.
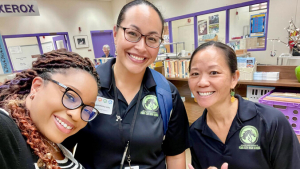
[
  {"x": 31, "y": 96},
  {"x": 232, "y": 95}
]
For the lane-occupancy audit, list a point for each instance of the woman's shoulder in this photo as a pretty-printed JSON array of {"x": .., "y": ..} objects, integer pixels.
[
  {"x": 6, "y": 122},
  {"x": 270, "y": 115}
]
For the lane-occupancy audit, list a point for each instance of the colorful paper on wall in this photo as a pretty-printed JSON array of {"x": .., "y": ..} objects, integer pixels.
[{"x": 5, "y": 67}]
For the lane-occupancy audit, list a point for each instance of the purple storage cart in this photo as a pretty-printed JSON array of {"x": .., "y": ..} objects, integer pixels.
[{"x": 290, "y": 110}]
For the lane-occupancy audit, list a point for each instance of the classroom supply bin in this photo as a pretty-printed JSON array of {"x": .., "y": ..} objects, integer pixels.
[{"x": 289, "y": 109}]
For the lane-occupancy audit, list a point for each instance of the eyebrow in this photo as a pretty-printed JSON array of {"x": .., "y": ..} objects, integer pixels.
[
  {"x": 74, "y": 88},
  {"x": 136, "y": 27},
  {"x": 209, "y": 67},
  {"x": 78, "y": 91},
  {"x": 212, "y": 66}
]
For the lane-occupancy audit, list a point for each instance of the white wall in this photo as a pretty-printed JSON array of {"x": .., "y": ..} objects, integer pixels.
[
  {"x": 281, "y": 11},
  {"x": 63, "y": 16},
  {"x": 21, "y": 41},
  {"x": 116, "y": 8}
]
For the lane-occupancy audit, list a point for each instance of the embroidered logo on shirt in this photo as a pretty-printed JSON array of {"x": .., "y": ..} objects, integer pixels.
[
  {"x": 249, "y": 136},
  {"x": 150, "y": 105}
]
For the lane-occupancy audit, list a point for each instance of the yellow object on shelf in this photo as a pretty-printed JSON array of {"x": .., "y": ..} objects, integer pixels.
[
  {"x": 158, "y": 64},
  {"x": 195, "y": 100}
]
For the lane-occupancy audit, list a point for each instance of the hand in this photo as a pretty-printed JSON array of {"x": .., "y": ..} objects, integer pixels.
[
  {"x": 224, "y": 166},
  {"x": 191, "y": 167}
]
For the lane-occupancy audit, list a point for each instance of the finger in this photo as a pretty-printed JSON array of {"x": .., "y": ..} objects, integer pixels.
[
  {"x": 224, "y": 166},
  {"x": 191, "y": 167},
  {"x": 212, "y": 168}
]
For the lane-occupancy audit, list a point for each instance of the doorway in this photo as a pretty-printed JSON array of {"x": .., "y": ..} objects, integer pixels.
[{"x": 100, "y": 38}]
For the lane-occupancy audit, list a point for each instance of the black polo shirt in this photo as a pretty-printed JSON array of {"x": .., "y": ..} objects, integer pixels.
[
  {"x": 260, "y": 137},
  {"x": 100, "y": 144}
]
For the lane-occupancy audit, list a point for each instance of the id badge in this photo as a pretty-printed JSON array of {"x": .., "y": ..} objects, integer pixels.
[
  {"x": 104, "y": 105},
  {"x": 132, "y": 167}
]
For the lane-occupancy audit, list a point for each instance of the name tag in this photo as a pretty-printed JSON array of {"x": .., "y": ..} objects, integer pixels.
[
  {"x": 133, "y": 167},
  {"x": 36, "y": 166},
  {"x": 104, "y": 105}
]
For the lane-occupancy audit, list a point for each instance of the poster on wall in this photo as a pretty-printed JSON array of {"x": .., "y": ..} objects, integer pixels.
[
  {"x": 213, "y": 19},
  {"x": 166, "y": 39},
  {"x": 202, "y": 27},
  {"x": 5, "y": 67},
  {"x": 15, "y": 49},
  {"x": 214, "y": 28},
  {"x": 257, "y": 25}
]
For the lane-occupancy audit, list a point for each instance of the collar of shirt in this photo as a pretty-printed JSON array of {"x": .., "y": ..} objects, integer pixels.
[
  {"x": 246, "y": 111},
  {"x": 105, "y": 74}
]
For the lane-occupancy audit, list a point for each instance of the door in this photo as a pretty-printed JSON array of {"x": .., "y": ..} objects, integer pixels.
[
  {"x": 100, "y": 38},
  {"x": 59, "y": 42}
]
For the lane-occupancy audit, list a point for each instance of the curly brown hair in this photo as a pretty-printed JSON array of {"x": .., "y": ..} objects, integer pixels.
[{"x": 13, "y": 93}]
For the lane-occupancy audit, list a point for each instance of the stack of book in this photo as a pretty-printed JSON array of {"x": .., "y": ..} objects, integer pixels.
[
  {"x": 176, "y": 68},
  {"x": 284, "y": 97}
]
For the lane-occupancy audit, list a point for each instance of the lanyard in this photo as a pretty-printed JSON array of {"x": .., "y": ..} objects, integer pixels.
[{"x": 127, "y": 148}]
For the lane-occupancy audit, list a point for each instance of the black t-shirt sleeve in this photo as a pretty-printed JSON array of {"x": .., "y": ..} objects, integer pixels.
[
  {"x": 9, "y": 149},
  {"x": 284, "y": 144},
  {"x": 177, "y": 136}
]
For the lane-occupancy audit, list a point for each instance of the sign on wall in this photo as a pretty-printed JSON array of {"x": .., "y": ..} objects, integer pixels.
[
  {"x": 18, "y": 8},
  {"x": 5, "y": 67},
  {"x": 257, "y": 25}
]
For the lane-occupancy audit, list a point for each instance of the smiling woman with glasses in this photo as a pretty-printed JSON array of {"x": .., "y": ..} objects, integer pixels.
[
  {"x": 37, "y": 112},
  {"x": 131, "y": 133}
]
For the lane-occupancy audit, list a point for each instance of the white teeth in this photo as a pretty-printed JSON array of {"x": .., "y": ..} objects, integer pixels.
[
  {"x": 205, "y": 94},
  {"x": 63, "y": 124},
  {"x": 137, "y": 58}
]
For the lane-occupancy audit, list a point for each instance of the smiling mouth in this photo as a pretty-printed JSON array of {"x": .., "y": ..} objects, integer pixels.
[
  {"x": 205, "y": 93},
  {"x": 63, "y": 124},
  {"x": 136, "y": 57}
]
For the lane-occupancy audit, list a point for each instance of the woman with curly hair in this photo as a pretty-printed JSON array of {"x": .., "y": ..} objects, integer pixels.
[{"x": 43, "y": 106}]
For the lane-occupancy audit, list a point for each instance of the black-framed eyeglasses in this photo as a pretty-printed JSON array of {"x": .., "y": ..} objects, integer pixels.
[
  {"x": 132, "y": 35},
  {"x": 71, "y": 100}
]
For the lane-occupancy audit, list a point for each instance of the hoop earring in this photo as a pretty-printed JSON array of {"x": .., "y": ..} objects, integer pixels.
[{"x": 232, "y": 95}]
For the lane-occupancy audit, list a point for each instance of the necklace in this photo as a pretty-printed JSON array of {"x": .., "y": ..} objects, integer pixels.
[{"x": 53, "y": 145}]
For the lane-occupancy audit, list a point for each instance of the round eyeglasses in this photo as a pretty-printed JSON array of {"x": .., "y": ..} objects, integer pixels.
[
  {"x": 132, "y": 35},
  {"x": 71, "y": 100}
]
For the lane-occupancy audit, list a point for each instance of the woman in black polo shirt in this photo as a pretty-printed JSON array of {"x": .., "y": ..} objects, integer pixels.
[
  {"x": 130, "y": 111},
  {"x": 242, "y": 133},
  {"x": 44, "y": 105}
]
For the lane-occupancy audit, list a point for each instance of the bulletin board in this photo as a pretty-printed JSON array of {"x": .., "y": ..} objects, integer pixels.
[
  {"x": 258, "y": 25},
  {"x": 21, "y": 56}
]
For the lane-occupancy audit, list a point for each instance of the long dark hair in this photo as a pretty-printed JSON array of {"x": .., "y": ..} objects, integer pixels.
[
  {"x": 13, "y": 93},
  {"x": 135, "y": 3}
]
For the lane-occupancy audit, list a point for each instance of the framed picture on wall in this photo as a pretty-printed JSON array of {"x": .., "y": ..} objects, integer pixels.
[
  {"x": 202, "y": 27},
  {"x": 81, "y": 41}
]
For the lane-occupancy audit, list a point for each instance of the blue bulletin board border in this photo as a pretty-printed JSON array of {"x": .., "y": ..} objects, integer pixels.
[
  {"x": 264, "y": 24},
  {"x": 5, "y": 63}
]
